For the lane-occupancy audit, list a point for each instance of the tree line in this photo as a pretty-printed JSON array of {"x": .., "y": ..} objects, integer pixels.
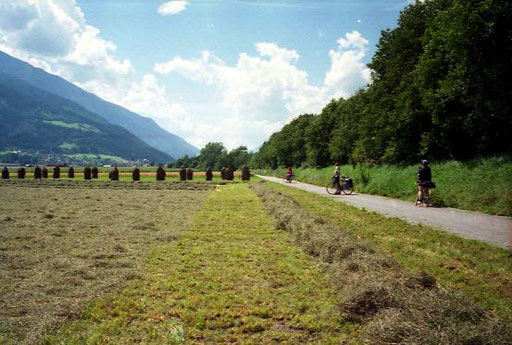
[
  {"x": 440, "y": 90},
  {"x": 215, "y": 156}
]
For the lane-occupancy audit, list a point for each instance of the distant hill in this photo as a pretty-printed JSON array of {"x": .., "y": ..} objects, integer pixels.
[
  {"x": 35, "y": 120},
  {"x": 144, "y": 128}
]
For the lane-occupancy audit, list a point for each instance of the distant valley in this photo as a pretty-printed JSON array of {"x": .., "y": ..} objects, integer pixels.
[{"x": 45, "y": 117}]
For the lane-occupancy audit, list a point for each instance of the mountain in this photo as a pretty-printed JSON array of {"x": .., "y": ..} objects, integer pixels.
[
  {"x": 144, "y": 128},
  {"x": 32, "y": 119}
]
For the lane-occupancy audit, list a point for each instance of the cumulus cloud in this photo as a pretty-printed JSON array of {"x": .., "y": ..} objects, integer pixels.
[
  {"x": 348, "y": 71},
  {"x": 172, "y": 7},
  {"x": 257, "y": 95},
  {"x": 39, "y": 27},
  {"x": 54, "y": 35},
  {"x": 265, "y": 91},
  {"x": 268, "y": 86}
]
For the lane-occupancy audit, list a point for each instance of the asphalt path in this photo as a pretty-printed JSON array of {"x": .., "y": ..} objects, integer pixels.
[{"x": 496, "y": 230}]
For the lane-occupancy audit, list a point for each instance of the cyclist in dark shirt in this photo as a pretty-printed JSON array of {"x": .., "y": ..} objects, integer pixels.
[
  {"x": 289, "y": 175},
  {"x": 424, "y": 178},
  {"x": 336, "y": 176}
]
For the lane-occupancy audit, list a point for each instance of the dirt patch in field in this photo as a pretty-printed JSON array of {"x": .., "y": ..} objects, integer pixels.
[{"x": 62, "y": 247}]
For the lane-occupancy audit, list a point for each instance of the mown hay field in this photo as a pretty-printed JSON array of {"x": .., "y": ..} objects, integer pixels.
[
  {"x": 231, "y": 278},
  {"x": 202, "y": 263},
  {"x": 61, "y": 248}
]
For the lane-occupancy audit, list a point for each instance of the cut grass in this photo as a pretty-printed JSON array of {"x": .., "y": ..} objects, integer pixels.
[
  {"x": 59, "y": 248},
  {"x": 479, "y": 270},
  {"x": 232, "y": 278},
  {"x": 122, "y": 185},
  {"x": 393, "y": 305}
]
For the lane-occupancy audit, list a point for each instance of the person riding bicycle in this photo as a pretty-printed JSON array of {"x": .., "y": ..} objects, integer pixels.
[
  {"x": 424, "y": 180},
  {"x": 289, "y": 174},
  {"x": 336, "y": 177}
]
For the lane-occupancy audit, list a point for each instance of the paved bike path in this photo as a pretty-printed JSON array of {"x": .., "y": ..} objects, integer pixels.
[{"x": 475, "y": 225}]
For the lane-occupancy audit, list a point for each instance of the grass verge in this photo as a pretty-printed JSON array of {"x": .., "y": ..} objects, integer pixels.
[
  {"x": 394, "y": 306},
  {"x": 479, "y": 270},
  {"x": 232, "y": 278}
]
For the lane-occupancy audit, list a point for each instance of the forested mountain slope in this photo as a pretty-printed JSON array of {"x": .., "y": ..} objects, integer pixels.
[
  {"x": 144, "y": 128},
  {"x": 36, "y": 120}
]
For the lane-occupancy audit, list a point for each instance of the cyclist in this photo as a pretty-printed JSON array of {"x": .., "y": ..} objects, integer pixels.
[
  {"x": 289, "y": 175},
  {"x": 336, "y": 177},
  {"x": 424, "y": 179}
]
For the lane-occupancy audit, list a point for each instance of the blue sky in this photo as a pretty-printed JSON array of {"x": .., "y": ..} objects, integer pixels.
[{"x": 231, "y": 71}]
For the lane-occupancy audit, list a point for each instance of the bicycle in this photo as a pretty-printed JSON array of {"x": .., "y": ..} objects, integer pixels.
[
  {"x": 347, "y": 186},
  {"x": 288, "y": 179},
  {"x": 426, "y": 196}
]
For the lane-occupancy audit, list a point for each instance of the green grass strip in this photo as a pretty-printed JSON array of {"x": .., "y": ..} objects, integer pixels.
[
  {"x": 480, "y": 270},
  {"x": 232, "y": 277}
]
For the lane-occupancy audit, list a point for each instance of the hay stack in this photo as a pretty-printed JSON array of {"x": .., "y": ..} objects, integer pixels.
[
  {"x": 21, "y": 173},
  {"x": 37, "y": 173},
  {"x": 56, "y": 172},
  {"x": 230, "y": 174},
  {"x": 71, "y": 172},
  {"x": 94, "y": 172},
  {"x": 183, "y": 174},
  {"x": 5, "y": 173},
  {"x": 209, "y": 174},
  {"x": 190, "y": 174},
  {"x": 246, "y": 173},
  {"x": 136, "y": 174},
  {"x": 114, "y": 174},
  {"x": 160, "y": 174},
  {"x": 87, "y": 173}
]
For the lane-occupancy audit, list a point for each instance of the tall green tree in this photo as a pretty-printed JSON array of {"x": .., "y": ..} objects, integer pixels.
[
  {"x": 319, "y": 132},
  {"x": 290, "y": 142},
  {"x": 464, "y": 75},
  {"x": 440, "y": 89},
  {"x": 210, "y": 154}
]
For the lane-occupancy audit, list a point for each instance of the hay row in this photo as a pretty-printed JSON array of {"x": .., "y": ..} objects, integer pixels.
[
  {"x": 161, "y": 185},
  {"x": 392, "y": 305}
]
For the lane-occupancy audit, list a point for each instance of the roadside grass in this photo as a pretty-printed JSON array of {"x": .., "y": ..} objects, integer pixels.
[
  {"x": 393, "y": 305},
  {"x": 483, "y": 184},
  {"x": 232, "y": 278},
  {"x": 481, "y": 271},
  {"x": 60, "y": 248}
]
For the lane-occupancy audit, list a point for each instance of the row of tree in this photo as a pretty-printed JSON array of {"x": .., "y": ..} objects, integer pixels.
[
  {"x": 215, "y": 156},
  {"x": 440, "y": 89}
]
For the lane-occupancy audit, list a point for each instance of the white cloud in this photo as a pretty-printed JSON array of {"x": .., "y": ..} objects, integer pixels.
[
  {"x": 267, "y": 86},
  {"x": 54, "y": 36},
  {"x": 348, "y": 72},
  {"x": 258, "y": 94},
  {"x": 263, "y": 92},
  {"x": 194, "y": 69},
  {"x": 172, "y": 7}
]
